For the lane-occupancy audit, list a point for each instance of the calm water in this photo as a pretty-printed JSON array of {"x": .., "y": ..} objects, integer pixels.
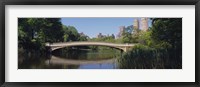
[{"x": 71, "y": 59}]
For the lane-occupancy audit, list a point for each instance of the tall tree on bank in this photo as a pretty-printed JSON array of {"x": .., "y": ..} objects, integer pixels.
[
  {"x": 53, "y": 30},
  {"x": 34, "y": 32},
  {"x": 169, "y": 30}
]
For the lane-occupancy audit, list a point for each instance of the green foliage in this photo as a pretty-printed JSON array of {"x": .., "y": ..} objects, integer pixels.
[
  {"x": 71, "y": 34},
  {"x": 110, "y": 39},
  {"x": 144, "y": 57},
  {"x": 145, "y": 38},
  {"x": 167, "y": 30},
  {"x": 33, "y": 33},
  {"x": 53, "y": 30},
  {"x": 127, "y": 36},
  {"x": 161, "y": 46},
  {"x": 83, "y": 38}
]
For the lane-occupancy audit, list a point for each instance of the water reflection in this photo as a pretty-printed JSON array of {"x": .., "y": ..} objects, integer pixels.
[
  {"x": 71, "y": 59},
  {"x": 98, "y": 66},
  {"x": 83, "y": 64}
]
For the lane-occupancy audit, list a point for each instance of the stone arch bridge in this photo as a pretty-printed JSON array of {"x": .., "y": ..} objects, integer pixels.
[{"x": 124, "y": 47}]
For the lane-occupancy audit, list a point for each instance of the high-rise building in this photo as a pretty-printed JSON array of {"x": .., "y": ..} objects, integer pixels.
[
  {"x": 144, "y": 24},
  {"x": 121, "y": 30},
  {"x": 136, "y": 24},
  {"x": 82, "y": 34},
  {"x": 99, "y": 35}
]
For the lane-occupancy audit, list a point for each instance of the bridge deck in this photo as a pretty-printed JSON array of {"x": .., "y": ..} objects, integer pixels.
[
  {"x": 123, "y": 47},
  {"x": 88, "y": 43}
]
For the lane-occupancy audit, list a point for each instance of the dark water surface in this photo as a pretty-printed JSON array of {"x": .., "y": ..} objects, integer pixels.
[{"x": 71, "y": 59}]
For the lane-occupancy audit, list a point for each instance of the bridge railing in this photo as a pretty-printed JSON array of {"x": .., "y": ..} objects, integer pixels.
[{"x": 87, "y": 42}]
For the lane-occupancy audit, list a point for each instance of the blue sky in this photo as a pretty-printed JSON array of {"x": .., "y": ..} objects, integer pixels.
[{"x": 94, "y": 26}]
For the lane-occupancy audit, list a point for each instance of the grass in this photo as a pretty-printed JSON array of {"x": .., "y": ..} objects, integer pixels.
[{"x": 144, "y": 57}]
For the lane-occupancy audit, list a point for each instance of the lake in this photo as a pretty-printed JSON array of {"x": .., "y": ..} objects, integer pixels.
[{"x": 72, "y": 59}]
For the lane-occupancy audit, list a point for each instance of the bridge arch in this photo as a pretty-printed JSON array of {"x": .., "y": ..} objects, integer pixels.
[
  {"x": 56, "y": 48},
  {"x": 123, "y": 47}
]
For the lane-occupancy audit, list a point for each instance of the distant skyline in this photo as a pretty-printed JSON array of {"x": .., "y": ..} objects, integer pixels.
[{"x": 93, "y": 26}]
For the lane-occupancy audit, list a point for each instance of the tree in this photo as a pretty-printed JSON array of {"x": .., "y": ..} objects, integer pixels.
[
  {"x": 127, "y": 35},
  {"x": 66, "y": 32},
  {"x": 83, "y": 38},
  {"x": 144, "y": 37},
  {"x": 160, "y": 47},
  {"x": 167, "y": 33},
  {"x": 70, "y": 33},
  {"x": 113, "y": 36},
  {"x": 33, "y": 33},
  {"x": 168, "y": 30},
  {"x": 53, "y": 30}
]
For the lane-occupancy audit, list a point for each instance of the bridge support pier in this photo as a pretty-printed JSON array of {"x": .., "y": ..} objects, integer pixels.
[{"x": 125, "y": 49}]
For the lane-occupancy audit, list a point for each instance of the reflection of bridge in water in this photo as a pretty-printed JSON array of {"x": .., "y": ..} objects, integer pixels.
[
  {"x": 123, "y": 47},
  {"x": 57, "y": 60}
]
